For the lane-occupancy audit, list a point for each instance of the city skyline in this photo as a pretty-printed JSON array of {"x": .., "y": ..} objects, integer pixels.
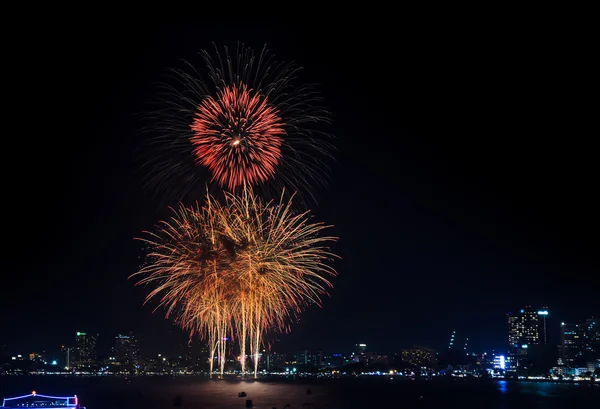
[
  {"x": 527, "y": 355},
  {"x": 521, "y": 333},
  {"x": 453, "y": 203}
]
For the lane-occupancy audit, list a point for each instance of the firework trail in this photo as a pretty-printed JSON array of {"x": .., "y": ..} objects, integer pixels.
[
  {"x": 237, "y": 269},
  {"x": 240, "y": 122}
]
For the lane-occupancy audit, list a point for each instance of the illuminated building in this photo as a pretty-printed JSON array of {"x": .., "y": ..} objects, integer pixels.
[
  {"x": 579, "y": 343},
  {"x": 275, "y": 361},
  {"x": 419, "y": 356},
  {"x": 35, "y": 357},
  {"x": 573, "y": 371},
  {"x": 333, "y": 360},
  {"x": 359, "y": 351},
  {"x": 592, "y": 338},
  {"x": 543, "y": 314},
  {"x": 312, "y": 358},
  {"x": 526, "y": 328},
  {"x": 66, "y": 351},
  {"x": 85, "y": 351},
  {"x": 593, "y": 365},
  {"x": 499, "y": 362},
  {"x": 371, "y": 358},
  {"x": 572, "y": 343},
  {"x": 125, "y": 350}
]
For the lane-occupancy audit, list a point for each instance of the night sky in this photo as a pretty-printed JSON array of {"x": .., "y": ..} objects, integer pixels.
[{"x": 465, "y": 184}]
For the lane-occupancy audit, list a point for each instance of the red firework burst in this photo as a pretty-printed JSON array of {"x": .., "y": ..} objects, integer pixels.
[{"x": 237, "y": 136}]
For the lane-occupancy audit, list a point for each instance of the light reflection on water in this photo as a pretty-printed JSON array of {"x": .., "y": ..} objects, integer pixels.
[
  {"x": 262, "y": 394},
  {"x": 502, "y": 386}
]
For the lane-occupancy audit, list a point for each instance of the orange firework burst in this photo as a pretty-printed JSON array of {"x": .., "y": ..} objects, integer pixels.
[
  {"x": 237, "y": 136},
  {"x": 238, "y": 268}
]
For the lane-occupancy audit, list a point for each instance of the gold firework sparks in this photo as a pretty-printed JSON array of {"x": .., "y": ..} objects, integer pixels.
[{"x": 237, "y": 269}]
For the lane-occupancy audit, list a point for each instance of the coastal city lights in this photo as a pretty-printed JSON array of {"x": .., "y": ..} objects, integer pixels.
[{"x": 575, "y": 357}]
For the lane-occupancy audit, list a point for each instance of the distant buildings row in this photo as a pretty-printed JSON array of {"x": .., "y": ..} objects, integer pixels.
[
  {"x": 529, "y": 352},
  {"x": 84, "y": 353},
  {"x": 125, "y": 351},
  {"x": 82, "y": 356},
  {"x": 410, "y": 357}
]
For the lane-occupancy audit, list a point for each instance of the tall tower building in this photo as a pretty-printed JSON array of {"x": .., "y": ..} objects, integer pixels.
[
  {"x": 86, "y": 348},
  {"x": 523, "y": 328},
  {"x": 572, "y": 344},
  {"x": 126, "y": 349},
  {"x": 359, "y": 351},
  {"x": 526, "y": 327},
  {"x": 66, "y": 352},
  {"x": 543, "y": 315},
  {"x": 592, "y": 338},
  {"x": 308, "y": 357}
]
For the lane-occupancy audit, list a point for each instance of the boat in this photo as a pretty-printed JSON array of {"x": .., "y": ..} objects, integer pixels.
[{"x": 35, "y": 400}]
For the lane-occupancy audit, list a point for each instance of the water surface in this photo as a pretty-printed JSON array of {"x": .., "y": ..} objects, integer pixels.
[{"x": 201, "y": 393}]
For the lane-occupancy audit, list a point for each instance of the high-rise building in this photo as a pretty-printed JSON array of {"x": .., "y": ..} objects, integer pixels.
[
  {"x": 312, "y": 358},
  {"x": 419, "y": 356},
  {"x": 572, "y": 344},
  {"x": 359, "y": 351},
  {"x": 333, "y": 360},
  {"x": 543, "y": 315},
  {"x": 592, "y": 339},
  {"x": 275, "y": 361},
  {"x": 579, "y": 343},
  {"x": 371, "y": 358},
  {"x": 526, "y": 327},
  {"x": 126, "y": 350},
  {"x": 85, "y": 348},
  {"x": 66, "y": 355}
]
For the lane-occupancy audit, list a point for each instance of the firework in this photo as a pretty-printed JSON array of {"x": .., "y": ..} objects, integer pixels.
[
  {"x": 242, "y": 121},
  {"x": 237, "y": 136},
  {"x": 237, "y": 269}
]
